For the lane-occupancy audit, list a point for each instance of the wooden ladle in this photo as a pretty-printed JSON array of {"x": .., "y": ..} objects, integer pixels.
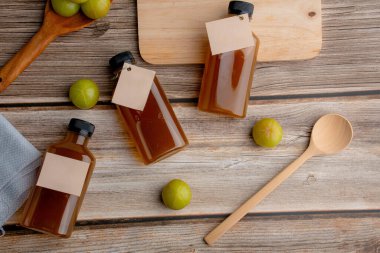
[
  {"x": 331, "y": 134},
  {"x": 53, "y": 26}
]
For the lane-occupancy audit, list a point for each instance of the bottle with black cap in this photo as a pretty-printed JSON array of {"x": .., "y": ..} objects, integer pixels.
[
  {"x": 228, "y": 77},
  {"x": 54, "y": 203},
  {"x": 155, "y": 130}
]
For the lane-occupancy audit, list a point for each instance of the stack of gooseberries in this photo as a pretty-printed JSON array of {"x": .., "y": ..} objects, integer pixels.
[{"x": 93, "y": 9}]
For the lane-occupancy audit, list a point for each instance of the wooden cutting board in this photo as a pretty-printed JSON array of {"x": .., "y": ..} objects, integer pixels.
[{"x": 173, "y": 31}]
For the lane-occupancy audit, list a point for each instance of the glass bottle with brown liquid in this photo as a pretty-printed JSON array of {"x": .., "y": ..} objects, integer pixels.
[
  {"x": 227, "y": 78},
  {"x": 156, "y": 130},
  {"x": 53, "y": 211}
]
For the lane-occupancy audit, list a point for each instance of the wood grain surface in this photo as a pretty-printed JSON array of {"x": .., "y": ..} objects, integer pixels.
[
  {"x": 53, "y": 25},
  {"x": 338, "y": 233},
  {"x": 222, "y": 151},
  {"x": 174, "y": 32},
  {"x": 122, "y": 210},
  {"x": 331, "y": 134},
  {"x": 348, "y": 63}
]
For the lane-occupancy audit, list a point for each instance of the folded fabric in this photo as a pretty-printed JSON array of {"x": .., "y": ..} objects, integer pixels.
[{"x": 19, "y": 160}]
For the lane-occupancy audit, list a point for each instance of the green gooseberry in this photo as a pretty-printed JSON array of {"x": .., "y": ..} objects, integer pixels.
[
  {"x": 267, "y": 133},
  {"x": 95, "y": 9},
  {"x": 84, "y": 94},
  {"x": 176, "y": 194},
  {"x": 65, "y": 8}
]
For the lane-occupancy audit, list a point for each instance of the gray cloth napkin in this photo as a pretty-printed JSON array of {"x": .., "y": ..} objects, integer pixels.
[{"x": 19, "y": 160}]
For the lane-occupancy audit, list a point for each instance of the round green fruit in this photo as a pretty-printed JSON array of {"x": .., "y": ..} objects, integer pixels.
[
  {"x": 267, "y": 133},
  {"x": 65, "y": 8},
  {"x": 84, "y": 94},
  {"x": 95, "y": 9},
  {"x": 176, "y": 194}
]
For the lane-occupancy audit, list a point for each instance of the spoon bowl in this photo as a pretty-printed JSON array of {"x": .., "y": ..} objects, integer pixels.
[{"x": 331, "y": 134}]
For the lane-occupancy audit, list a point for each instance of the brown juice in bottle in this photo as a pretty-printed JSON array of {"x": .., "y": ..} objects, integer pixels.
[
  {"x": 54, "y": 212},
  {"x": 156, "y": 130},
  {"x": 228, "y": 77}
]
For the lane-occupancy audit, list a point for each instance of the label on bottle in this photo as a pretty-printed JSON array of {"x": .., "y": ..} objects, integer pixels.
[
  {"x": 63, "y": 174},
  {"x": 230, "y": 34},
  {"x": 132, "y": 89}
]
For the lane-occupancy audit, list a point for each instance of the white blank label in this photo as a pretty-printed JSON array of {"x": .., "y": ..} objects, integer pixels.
[
  {"x": 230, "y": 34},
  {"x": 133, "y": 87},
  {"x": 63, "y": 174}
]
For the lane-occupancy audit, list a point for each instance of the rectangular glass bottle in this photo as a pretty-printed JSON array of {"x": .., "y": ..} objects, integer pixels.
[
  {"x": 155, "y": 130},
  {"x": 228, "y": 77},
  {"x": 52, "y": 211}
]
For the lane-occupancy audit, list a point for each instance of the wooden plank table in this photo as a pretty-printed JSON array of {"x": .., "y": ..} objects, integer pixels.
[{"x": 332, "y": 204}]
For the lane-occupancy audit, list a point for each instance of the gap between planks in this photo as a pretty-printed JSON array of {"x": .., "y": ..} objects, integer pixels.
[
  {"x": 356, "y": 95},
  {"x": 303, "y": 233},
  {"x": 249, "y": 216}
]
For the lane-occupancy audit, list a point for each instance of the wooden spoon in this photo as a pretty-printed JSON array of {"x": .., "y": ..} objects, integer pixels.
[
  {"x": 53, "y": 26},
  {"x": 331, "y": 134}
]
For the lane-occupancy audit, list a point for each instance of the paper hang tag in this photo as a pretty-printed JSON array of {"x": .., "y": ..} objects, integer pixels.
[
  {"x": 132, "y": 89},
  {"x": 63, "y": 174},
  {"x": 230, "y": 34}
]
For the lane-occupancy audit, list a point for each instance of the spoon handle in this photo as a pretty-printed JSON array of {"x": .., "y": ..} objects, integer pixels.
[
  {"x": 19, "y": 62},
  {"x": 239, "y": 213}
]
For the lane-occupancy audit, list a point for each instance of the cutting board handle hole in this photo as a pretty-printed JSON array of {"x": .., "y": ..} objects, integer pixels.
[{"x": 312, "y": 14}]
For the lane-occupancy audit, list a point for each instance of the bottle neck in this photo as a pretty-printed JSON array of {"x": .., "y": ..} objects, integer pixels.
[
  {"x": 234, "y": 15},
  {"x": 77, "y": 139},
  {"x": 117, "y": 71}
]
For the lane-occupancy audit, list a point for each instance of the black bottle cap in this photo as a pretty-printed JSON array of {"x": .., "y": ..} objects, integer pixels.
[
  {"x": 240, "y": 7},
  {"x": 81, "y": 127},
  {"x": 118, "y": 60}
]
